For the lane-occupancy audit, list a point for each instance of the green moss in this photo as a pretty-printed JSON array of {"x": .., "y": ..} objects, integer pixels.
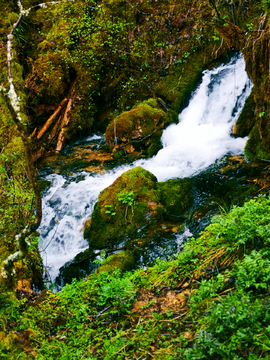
[
  {"x": 134, "y": 125},
  {"x": 176, "y": 196},
  {"x": 254, "y": 147},
  {"x": 155, "y": 145},
  {"x": 108, "y": 227},
  {"x": 43, "y": 185},
  {"x": 176, "y": 88},
  {"x": 123, "y": 260}
]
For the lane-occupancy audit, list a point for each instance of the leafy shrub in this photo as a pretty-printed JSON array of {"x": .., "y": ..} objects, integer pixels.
[
  {"x": 253, "y": 272},
  {"x": 116, "y": 290},
  {"x": 234, "y": 325}
]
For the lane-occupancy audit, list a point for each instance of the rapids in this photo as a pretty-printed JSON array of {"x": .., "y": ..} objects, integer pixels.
[{"x": 202, "y": 136}]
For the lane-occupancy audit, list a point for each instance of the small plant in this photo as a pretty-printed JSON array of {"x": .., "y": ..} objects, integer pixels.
[
  {"x": 250, "y": 26},
  {"x": 102, "y": 256},
  {"x": 115, "y": 290},
  {"x": 34, "y": 243},
  {"x": 110, "y": 210},
  {"x": 127, "y": 198}
]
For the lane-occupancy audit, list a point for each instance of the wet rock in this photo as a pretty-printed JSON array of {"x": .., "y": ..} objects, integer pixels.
[
  {"x": 247, "y": 119},
  {"x": 176, "y": 196},
  {"x": 124, "y": 208},
  {"x": 255, "y": 148},
  {"x": 43, "y": 185},
  {"x": 139, "y": 128},
  {"x": 135, "y": 207},
  {"x": 81, "y": 266}
]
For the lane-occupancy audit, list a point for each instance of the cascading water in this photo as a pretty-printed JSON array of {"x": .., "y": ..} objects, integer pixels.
[{"x": 200, "y": 138}]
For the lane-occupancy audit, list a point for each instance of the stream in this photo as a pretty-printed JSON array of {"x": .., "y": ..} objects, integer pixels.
[{"x": 202, "y": 136}]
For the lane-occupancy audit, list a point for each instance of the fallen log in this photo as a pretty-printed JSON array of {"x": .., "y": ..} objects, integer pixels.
[
  {"x": 51, "y": 118},
  {"x": 55, "y": 129},
  {"x": 64, "y": 123}
]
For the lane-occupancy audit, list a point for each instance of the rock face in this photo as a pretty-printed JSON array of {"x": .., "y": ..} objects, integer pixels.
[
  {"x": 114, "y": 219},
  {"x": 133, "y": 203},
  {"x": 257, "y": 66},
  {"x": 246, "y": 120},
  {"x": 139, "y": 128}
]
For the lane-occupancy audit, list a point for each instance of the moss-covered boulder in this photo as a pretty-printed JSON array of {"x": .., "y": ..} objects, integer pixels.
[
  {"x": 176, "y": 196},
  {"x": 254, "y": 148},
  {"x": 123, "y": 260},
  {"x": 123, "y": 208},
  {"x": 139, "y": 128}
]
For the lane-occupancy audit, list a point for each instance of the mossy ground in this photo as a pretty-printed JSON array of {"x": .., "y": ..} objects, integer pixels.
[{"x": 213, "y": 292}]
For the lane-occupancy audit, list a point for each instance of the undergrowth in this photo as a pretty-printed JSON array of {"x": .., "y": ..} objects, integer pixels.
[{"x": 211, "y": 301}]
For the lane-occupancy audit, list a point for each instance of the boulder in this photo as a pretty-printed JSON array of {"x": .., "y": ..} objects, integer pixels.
[
  {"x": 134, "y": 204},
  {"x": 123, "y": 260},
  {"x": 176, "y": 196},
  {"x": 124, "y": 209},
  {"x": 139, "y": 128}
]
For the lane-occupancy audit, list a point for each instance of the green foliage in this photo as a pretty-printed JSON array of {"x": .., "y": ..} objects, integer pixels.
[
  {"x": 115, "y": 290},
  {"x": 250, "y": 27},
  {"x": 127, "y": 197},
  {"x": 253, "y": 273},
  {"x": 208, "y": 289},
  {"x": 34, "y": 243},
  {"x": 222, "y": 287},
  {"x": 110, "y": 210},
  {"x": 249, "y": 227}
]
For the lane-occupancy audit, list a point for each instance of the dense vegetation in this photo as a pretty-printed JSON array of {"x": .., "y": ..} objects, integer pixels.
[
  {"x": 129, "y": 66},
  {"x": 211, "y": 301}
]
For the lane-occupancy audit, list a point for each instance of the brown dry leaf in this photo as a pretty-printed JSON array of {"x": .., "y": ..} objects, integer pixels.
[
  {"x": 138, "y": 306},
  {"x": 130, "y": 148}
]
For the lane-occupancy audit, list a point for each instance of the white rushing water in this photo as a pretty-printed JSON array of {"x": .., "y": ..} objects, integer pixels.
[{"x": 200, "y": 138}]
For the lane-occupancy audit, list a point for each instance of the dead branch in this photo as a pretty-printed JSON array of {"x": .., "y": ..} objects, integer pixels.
[
  {"x": 51, "y": 118},
  {"x": 55, "y": 128},
  {"x": 64, "y": 123}
]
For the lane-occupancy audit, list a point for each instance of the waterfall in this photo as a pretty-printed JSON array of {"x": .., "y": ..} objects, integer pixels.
[{"x": 200, "y": 138}]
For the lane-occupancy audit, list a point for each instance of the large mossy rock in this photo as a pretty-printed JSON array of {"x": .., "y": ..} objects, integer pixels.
[
  {"x": 176, "y": 196},
  {"x": 123, "y": 260},
  {"x": 254, "y": 148},
  {"x": 113, "y": 220},
  {"x": 139, "y": 128}
]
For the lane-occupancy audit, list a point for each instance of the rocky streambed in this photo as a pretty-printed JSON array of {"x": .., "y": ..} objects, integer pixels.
[{"x": 99, "y": 203}]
